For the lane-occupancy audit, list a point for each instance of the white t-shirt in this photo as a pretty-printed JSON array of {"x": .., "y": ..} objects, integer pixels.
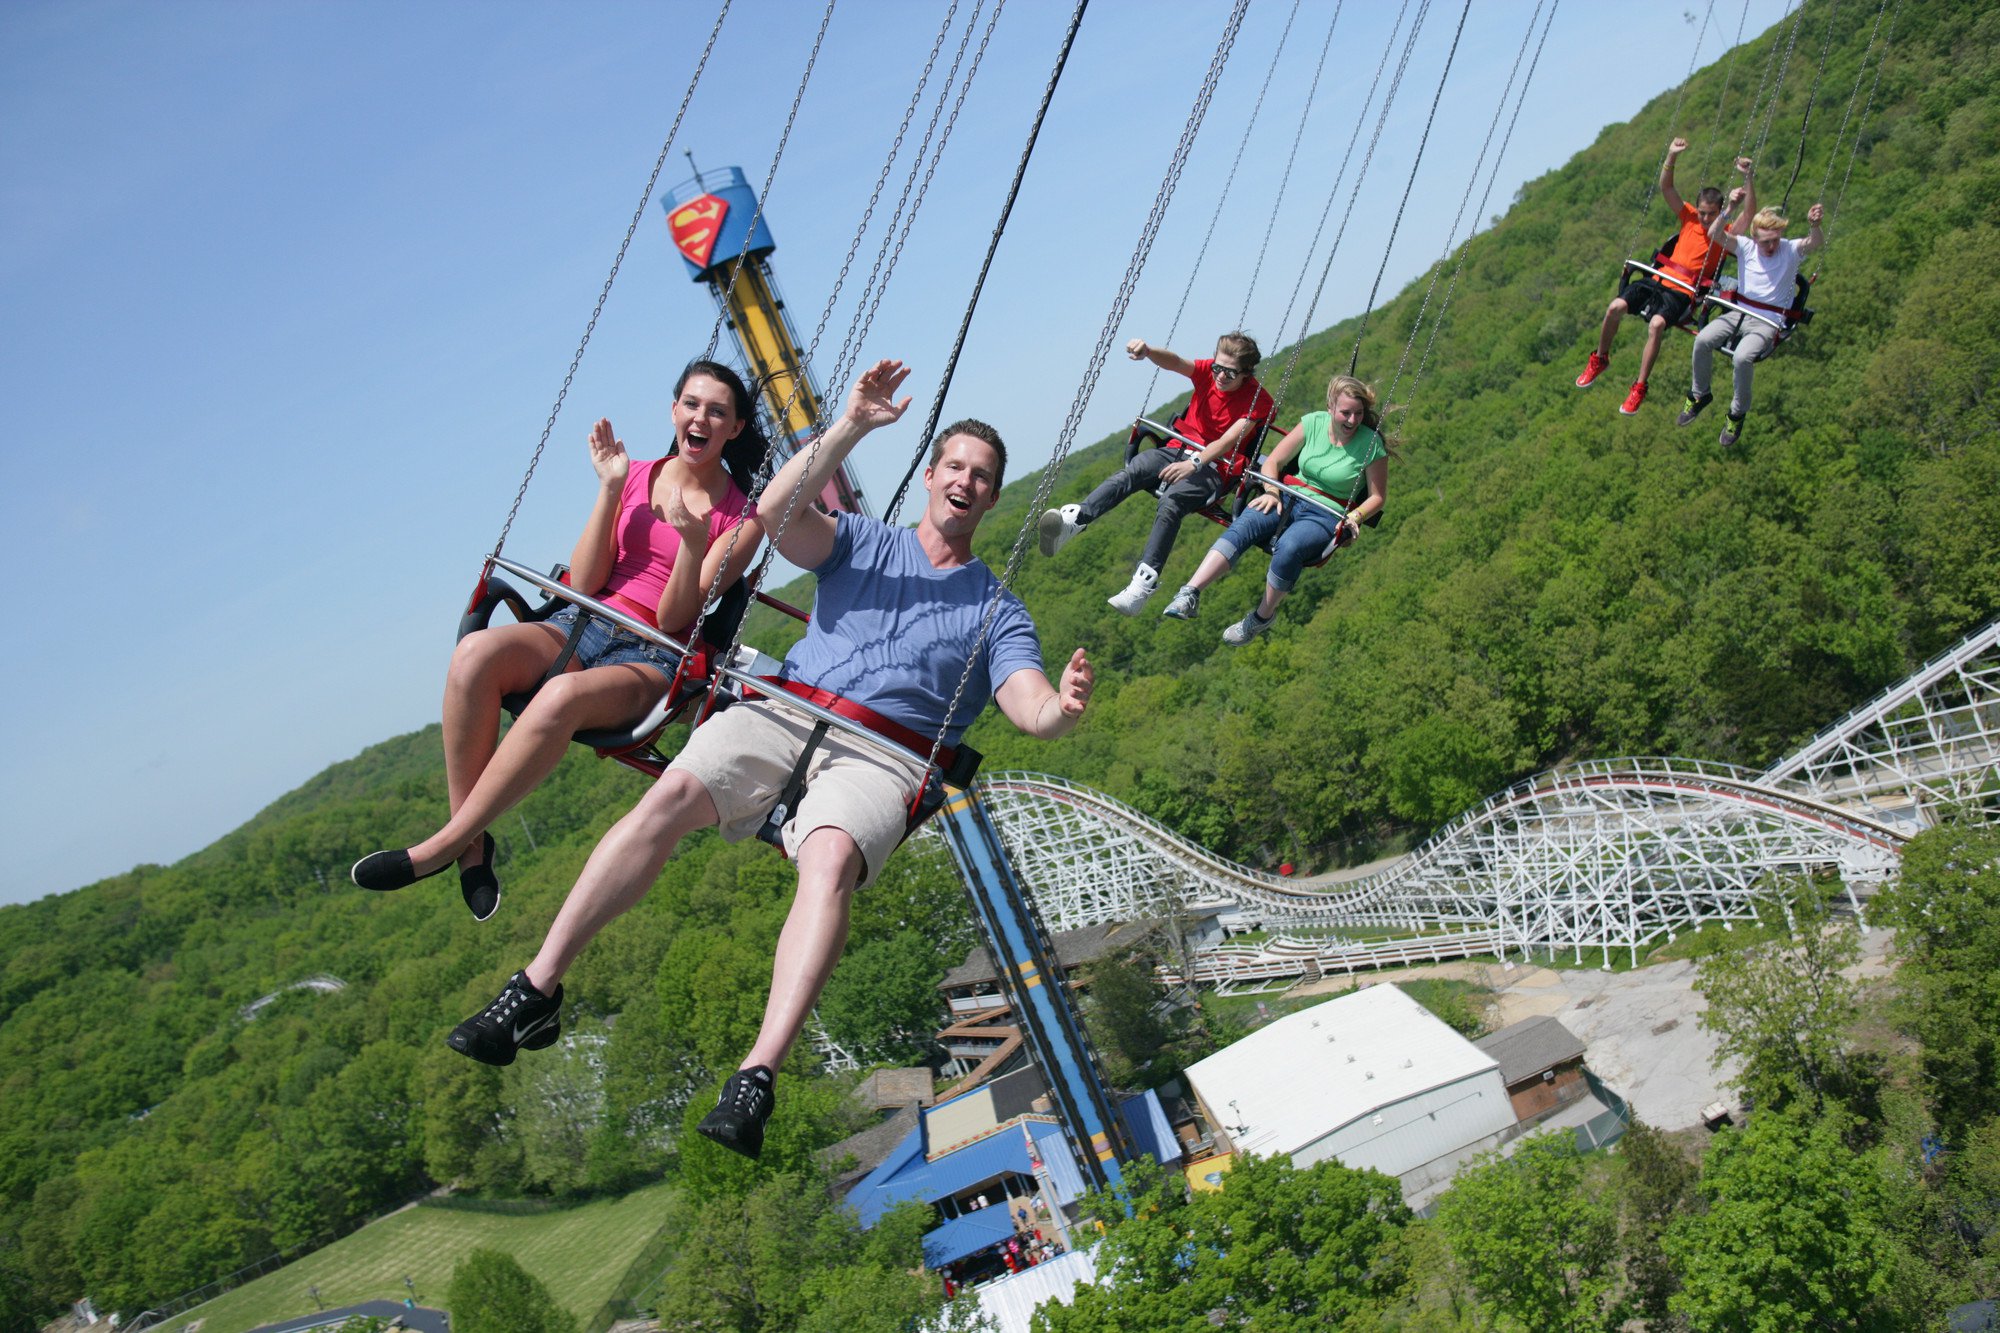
[{"x": 1768, "y": 280}]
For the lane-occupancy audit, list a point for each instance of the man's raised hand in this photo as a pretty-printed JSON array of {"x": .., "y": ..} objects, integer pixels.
[
  {"x": 1077, "y": 682},
  {"x": 873, "y": 400}
]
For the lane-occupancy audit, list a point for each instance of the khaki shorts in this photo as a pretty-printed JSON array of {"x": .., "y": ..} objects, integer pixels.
[{"x": 744, "y": 756}]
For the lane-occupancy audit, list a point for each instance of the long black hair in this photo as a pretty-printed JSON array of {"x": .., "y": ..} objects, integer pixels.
[{"x": 745, "y": 454}]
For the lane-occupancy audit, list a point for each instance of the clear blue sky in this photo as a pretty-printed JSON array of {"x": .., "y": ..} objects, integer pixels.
[{"x": 288, "y": 289}]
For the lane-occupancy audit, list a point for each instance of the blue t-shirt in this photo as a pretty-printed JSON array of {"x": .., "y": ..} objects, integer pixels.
[{"x": 890, "y": 632}]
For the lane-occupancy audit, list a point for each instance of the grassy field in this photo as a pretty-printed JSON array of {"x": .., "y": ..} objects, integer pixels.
[{"x": 578, "y": 1253}]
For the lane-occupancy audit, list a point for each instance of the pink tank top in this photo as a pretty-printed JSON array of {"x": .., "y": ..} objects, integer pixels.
[{"x": 644, "y": 545}]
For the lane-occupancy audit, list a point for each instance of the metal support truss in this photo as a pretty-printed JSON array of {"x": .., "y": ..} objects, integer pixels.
[{"x": 1610, "y": 854}]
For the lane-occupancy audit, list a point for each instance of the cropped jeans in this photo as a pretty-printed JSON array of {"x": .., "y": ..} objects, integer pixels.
[{"x": 1303, "y": 532}]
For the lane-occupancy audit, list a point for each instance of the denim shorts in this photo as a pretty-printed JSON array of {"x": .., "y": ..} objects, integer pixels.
[{"x": 605, "y": 644}]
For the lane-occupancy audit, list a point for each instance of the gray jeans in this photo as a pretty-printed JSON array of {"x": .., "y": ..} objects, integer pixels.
[{"x": 1758, "y": 337}]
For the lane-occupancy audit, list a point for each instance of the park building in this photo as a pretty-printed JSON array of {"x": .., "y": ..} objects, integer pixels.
[
  {"x": 1541, "y": 1062},
  {"x": 994, "y": 1164},
  {"x": 1371, "y": 1078}
]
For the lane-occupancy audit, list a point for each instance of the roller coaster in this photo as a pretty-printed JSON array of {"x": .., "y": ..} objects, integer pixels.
[{"x": 1611, "y": 854}]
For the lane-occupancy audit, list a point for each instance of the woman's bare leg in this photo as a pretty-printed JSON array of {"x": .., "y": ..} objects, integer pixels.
[{"x": 531, "y": 749}]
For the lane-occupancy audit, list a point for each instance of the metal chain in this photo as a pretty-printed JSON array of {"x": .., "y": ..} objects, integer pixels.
[
  {"x": 1673, "y": 123},
  {"x": 1491, "y": 176},
  {"x": 1471, "y": 181},
  {"x": 992, "y": 248},
  {"x": 1812, "y": 95},
  {"x": 1728, "y": 75},
  {"x": 1354, "y": 194},
  {"x": 1285, "y": 181},
  {"x": 1861, "y": 130},
  {"x": 1778, "y": 88},
  {"x": 757, "y": 214},
  {"x": 1408, "y": 185},
  {"x": 768, "y": 465},
  {"x": 1113, "y": 319},
  {"x": 631, "y": 230},
  {"x": 887, "y": 258},
  {"x": 877, "y": 285},
  {"x": 1854, "y": 95},
  {"x": 1763, "y": 82},
  {"x": 1222, "y": 198}
]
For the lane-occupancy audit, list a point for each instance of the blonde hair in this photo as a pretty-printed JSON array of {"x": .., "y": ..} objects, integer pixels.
[
  {"x": 1347, "y": 386},
  {"x": 1769, "y": 219}
]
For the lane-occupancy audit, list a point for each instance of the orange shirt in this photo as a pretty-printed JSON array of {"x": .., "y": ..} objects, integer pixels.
[{"x": 1694, "y": 258}]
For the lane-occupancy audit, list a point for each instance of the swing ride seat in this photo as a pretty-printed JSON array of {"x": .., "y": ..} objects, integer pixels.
[
  {"x": 1787, "y": 320},
  {"x": 955, "y": 766},
  {"x": 1657, "y": 270},
  {"x": 693, "y": 683},
  {"x": 1343, "y": 536},
  {"x": 1233, "y": 467}
]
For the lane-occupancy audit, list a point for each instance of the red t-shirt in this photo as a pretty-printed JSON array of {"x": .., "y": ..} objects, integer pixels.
[
  {"x": 1695, "y": 257},
  {"x": 1212, "y": 411}
]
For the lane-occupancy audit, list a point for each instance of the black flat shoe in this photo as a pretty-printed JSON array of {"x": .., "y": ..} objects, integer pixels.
[
  {"x": 478, "y": 885},
  {"x": 384, "y": 871}
]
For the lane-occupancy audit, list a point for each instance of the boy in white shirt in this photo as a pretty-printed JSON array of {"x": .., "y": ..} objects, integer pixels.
[{"x": 1767, "y": 268}]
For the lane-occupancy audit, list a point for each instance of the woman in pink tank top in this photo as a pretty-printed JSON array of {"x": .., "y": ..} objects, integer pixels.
[{"x": 656, "y": 540}]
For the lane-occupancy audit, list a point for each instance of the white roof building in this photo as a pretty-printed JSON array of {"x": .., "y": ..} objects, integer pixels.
[{"x": 1372, "y": 1078}]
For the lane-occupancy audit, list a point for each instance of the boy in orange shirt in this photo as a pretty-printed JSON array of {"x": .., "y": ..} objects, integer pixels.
[{"x": 1664, "y": 301}]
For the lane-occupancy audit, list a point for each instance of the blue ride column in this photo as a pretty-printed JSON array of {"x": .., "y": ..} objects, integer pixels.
[{"x": 1026, "y": 963}]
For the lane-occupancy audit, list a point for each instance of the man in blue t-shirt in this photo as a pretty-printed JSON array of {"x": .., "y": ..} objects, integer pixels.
[{"x": 896, "y": 613}]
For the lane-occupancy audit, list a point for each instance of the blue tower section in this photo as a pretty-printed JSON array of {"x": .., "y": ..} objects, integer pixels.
[{"x": 1026, "y": 962}]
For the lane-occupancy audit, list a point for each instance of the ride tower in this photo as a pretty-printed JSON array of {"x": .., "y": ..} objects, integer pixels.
[{"x": 710, "y": 219}]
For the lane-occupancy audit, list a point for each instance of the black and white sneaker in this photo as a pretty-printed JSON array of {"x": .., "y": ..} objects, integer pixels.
[
  {"x": 520, "y": 1018},
  {"x": 737, "y": 1122}
]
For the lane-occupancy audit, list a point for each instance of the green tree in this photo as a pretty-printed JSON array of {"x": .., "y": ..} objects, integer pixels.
[
  {"x": 1120, "y": 1011},
  {"x": 558, "y": 1101},
  {"x": 491, "y": 1293},
  {"x": 1535, "y": 1238},
  {"x": 1779, "y": 1003},
  {"x": 785, "y": 1256},
  {"x": 882, "y": 1003},
  {"x": 1655, "y": 1185},
  {"x": 1276, "y": 1248},
  {"x": 1792, "y": 1235},
  {"x": 1946, "y": 911}
]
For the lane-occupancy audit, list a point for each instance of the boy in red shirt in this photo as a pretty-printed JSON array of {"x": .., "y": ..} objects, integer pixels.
[
  {"x": 1227, "y": 410},
  {"x": 1663, "y": 301}
]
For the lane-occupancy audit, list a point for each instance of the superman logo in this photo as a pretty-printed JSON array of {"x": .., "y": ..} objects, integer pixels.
[{"x": 695, "y": 226}]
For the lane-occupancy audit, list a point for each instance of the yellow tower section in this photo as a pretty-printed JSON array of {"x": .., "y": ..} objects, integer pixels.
[{"x": 711, "y": 221}]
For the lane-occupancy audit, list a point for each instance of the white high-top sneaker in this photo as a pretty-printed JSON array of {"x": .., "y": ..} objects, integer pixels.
[
  {"x": 1145, "y": 582},
  {"x": 1057, "y": 527}
]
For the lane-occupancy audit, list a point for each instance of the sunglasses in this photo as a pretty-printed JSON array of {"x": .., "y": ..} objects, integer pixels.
[{"x": 1223, "y": 372}]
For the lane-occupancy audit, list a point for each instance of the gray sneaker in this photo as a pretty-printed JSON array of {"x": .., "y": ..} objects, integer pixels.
[
  {"x": 1145, "y": 582},
  {"x": 1247, "y": 628},
  {"x": 1185, "y": 604},
  {"x": 1057, "y": 527},
  {"x": 1732, "y": 430}
]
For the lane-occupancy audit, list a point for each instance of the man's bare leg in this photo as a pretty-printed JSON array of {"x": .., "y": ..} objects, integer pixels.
[
  {"x": 815, "y": 933},
  {"x": 621, "y": 869}
]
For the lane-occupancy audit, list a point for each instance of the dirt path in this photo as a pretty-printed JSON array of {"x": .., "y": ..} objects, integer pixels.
[{"x": 1640, "y": 1028}]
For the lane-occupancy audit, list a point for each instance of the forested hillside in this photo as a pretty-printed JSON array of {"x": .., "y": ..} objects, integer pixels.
[{"x": 1551, "y": 581}]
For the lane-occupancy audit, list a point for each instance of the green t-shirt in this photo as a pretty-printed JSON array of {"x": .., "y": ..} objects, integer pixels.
[{"x": 1336, "y": 469}]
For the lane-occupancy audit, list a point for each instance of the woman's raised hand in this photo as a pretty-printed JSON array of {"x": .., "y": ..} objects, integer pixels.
[
  {"x": 607, "y": 454},
  {"x": 873, "y": 400},
  {"x": 692, "y": 527}
]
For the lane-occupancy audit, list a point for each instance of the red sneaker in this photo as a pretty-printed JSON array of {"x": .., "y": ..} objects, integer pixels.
[
  {"x": 1630, "y": 407},
  {"x": 1591, "y": 370}
]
